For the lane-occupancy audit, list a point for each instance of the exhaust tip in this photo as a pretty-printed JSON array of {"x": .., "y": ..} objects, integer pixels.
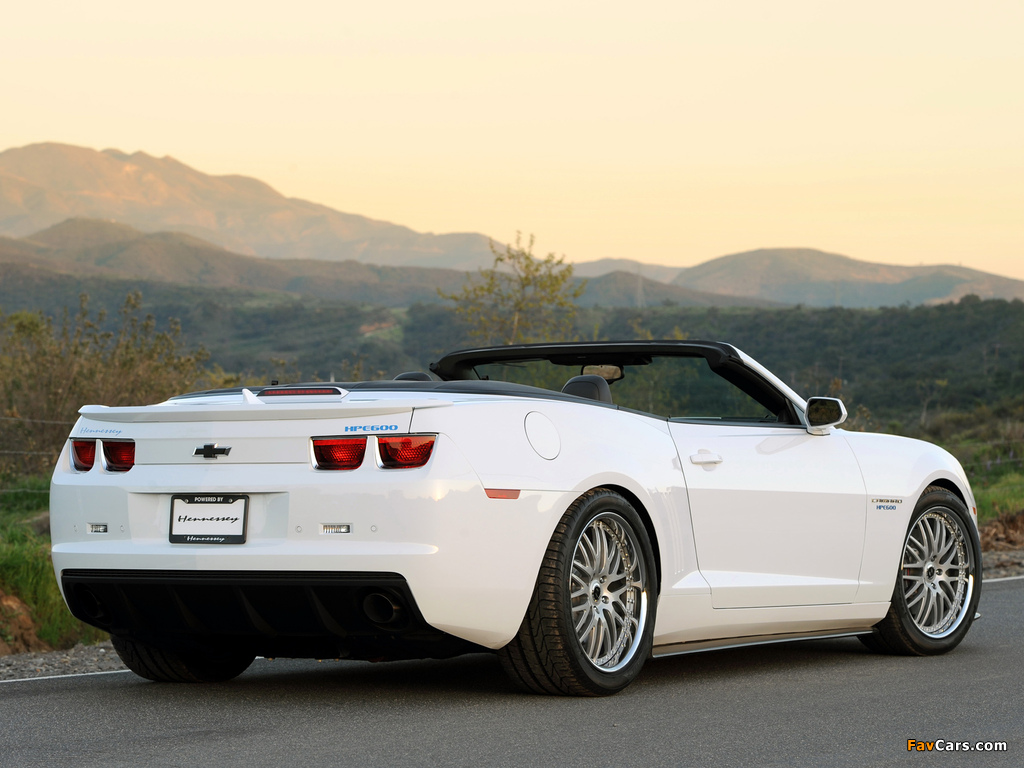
[
  {"x": 382, "y": 609},
  {"x": 90, "y": 605}
]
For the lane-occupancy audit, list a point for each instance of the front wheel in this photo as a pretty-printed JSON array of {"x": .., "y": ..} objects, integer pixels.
[
  {"x": 590, "y": 623},
  {"x": 939, "y": 584}
]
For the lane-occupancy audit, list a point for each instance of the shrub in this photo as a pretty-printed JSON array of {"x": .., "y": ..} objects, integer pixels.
[
  {"x": 48, "y": 371},
  {"x": 27, "y": 571}
]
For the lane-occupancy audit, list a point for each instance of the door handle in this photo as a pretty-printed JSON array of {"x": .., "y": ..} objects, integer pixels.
[{"x": 706, "y": 457}]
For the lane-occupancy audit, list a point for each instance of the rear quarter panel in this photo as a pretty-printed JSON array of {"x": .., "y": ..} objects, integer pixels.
[{"x": 597, "y": 447}]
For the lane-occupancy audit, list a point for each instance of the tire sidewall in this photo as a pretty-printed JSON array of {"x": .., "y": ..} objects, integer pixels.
[
  {"x": 601, "y": 503},
  {"x": 932, "y": 501}
]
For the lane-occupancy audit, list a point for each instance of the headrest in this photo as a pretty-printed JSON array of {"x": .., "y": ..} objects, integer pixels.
[
  {"x": 591, "y": 386},
  {"x": 413, "y": 376}
]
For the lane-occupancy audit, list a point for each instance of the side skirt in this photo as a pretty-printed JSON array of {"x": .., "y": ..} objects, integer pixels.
[{"x": 677, "y": 649}]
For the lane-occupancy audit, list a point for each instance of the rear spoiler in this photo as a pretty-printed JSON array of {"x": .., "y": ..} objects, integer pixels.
[{"x": 248, "y": 411}]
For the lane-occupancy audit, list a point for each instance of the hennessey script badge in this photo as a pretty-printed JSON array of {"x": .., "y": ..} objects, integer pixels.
[{"x": 212, "y": 451}]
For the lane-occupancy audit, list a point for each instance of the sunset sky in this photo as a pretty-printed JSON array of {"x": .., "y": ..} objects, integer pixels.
[{"x": 669, "y": 132}]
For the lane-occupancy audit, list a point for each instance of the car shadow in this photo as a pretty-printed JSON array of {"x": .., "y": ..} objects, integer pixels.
[{"x": 481, "y": 675}]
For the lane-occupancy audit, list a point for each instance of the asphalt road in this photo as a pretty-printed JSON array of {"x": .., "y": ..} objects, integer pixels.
[{"x": 814, "y": 703}]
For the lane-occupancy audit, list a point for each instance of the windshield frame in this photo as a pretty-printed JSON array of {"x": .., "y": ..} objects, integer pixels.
[{"x": 723, "y": 359}]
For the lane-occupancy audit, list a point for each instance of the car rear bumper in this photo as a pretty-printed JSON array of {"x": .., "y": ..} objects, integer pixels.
[
  {"x": 304, "y": 614},
  {"x": 469, "y": 562}
]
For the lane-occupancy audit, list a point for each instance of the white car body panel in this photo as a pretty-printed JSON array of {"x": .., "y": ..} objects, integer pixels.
[
  {"x": 780, "y": 537},
  {"x": 780, "y": 519},
  {"x": 896, "y": 472}
]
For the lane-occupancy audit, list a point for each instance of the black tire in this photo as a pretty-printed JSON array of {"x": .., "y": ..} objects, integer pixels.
[
  {"x": 616, "y": 601},
  {"x": 176, "y": 666},
  {"x": 939, "y": 582}
]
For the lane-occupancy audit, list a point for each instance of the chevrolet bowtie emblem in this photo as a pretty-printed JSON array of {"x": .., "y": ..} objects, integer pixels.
[{"x": 212, "y": 451}]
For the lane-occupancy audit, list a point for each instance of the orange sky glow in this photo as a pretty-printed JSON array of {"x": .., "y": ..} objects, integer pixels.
[{"x": 668, "y": 132}]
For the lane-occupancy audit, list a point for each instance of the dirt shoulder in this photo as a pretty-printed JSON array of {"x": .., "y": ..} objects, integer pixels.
[
  {"x": 75, "y": 661},
  {"x": 1002, "y": 546}
]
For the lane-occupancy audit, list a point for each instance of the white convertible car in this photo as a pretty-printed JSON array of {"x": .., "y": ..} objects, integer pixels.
[{"x": 576, "y": 508}]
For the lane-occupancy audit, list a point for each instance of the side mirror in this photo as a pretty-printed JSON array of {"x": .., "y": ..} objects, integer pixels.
[{"x": 823, "y": 413}]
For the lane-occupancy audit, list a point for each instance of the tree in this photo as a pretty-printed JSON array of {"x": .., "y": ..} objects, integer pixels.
[
  {"x": 520, "y": 299},
  {"x": 48, "y": 371}
]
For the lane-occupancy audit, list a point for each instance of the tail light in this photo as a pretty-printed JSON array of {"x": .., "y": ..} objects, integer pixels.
[
  {"x": 405, "y": 451},
  {"x": 119, "y": 455},
  {"x": 300, "y": 391},
  {"x": 339, "y": 452},
  {"x": 83, "y": 454}
]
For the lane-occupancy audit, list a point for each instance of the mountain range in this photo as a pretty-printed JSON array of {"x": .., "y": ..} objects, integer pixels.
[
  {"x": 76, "y": 211},
  {"x": 106, "y": 250}
]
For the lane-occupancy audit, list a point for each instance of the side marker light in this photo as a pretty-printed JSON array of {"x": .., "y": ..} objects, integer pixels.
[{"x": 502, "y": 493}]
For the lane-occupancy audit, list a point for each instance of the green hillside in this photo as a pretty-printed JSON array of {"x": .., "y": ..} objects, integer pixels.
[
  {"x": 950, "y": 373},
  {"x": 887, "y": 360},
  {"x": 245, "y": 331}
]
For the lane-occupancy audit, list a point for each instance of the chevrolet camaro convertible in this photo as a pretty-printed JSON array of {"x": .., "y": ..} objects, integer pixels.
[{"x": 575, "y": 508}]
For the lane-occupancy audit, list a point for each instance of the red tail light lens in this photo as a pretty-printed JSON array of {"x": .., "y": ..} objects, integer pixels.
[
  {"x": 339, "y": 452},
  {"x": 83, "y": 454},
  {"x": 405, "y": 451},
  {"x": 300, "y": 391},
  {"x": 119, "y": 455}
]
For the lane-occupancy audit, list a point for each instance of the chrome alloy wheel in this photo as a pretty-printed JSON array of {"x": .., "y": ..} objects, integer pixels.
[
  {"x": 608, "y": 592},
  {"x": 936, "y": 573}
]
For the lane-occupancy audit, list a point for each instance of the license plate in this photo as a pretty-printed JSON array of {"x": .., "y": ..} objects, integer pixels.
[{"x": 208, "y": 518}]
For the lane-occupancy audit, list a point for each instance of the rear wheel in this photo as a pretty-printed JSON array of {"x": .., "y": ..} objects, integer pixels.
[
  {"x": 590, "y": 624},
  {"x": 213, "y": 665},
  {"x": 939, "y": 583}
]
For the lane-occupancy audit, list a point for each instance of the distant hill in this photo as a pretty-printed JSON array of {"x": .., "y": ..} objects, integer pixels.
[
  {"x": 118, "y": 252},
  {"x": 44, "y": 184},
  {"x": 818, "y": 279},
  {"x": 623, "y": 289},
  {"x": 74, "y": 234},
  {"x": 658, "y": 272}
]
